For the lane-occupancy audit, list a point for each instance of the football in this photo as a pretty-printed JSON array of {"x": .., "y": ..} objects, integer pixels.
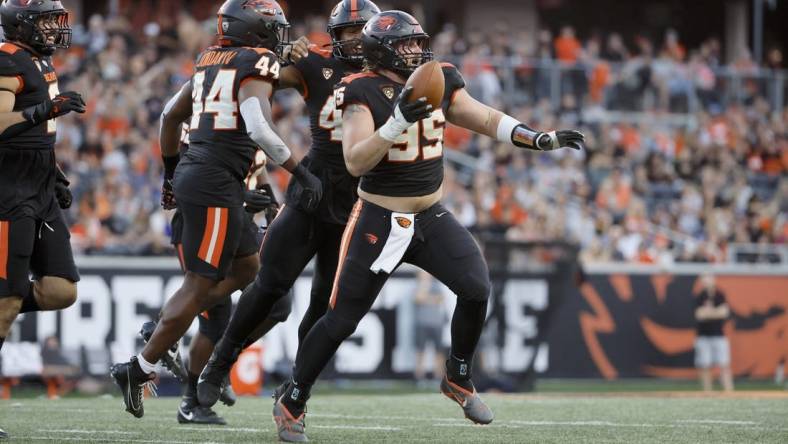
[{"x": 427, "y": 81}]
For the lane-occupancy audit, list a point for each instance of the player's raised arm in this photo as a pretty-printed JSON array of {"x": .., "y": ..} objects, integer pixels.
[
  {"x": 363, "y": 147},
  {"x": 254, "y": 97},
  {"x": 290, "y": 76},
  {"x": 13, "y": 122},
  {"x": 467, "y": 112}
]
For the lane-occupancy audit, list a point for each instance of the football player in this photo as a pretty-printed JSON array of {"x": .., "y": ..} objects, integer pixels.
[
  {"x": 228, "y": 104},
  {"x": 298, "y": 234},
  {"x": 34, "y": 238},
  {"x": 259, "y": 197},
  {"x": 396, "y": 146}
]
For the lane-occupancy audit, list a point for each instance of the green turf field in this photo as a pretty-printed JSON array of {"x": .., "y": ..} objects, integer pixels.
[{"x": 668, "y": 417}]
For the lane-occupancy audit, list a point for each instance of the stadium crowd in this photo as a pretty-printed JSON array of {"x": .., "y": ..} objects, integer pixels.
[{"x": 647, "y": 189}]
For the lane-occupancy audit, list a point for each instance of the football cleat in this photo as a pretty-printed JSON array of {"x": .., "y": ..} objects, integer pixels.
[
  {"x": 132, "y": 382},
  {"x": 279, "y": 391},
  {"x": 3, "y": 434},
  {"x": 189, "y": 412},
  {"x": 228, "y": 396},
  {"x": 472, "y": 405},
  {"x": 172, "y": 360},
  {"x": 213, "y": 380},
  {"x": 288, "y": 427}
]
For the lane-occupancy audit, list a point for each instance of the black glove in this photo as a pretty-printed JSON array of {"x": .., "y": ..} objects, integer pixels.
[
  {"x": 256, "y": 201},
  {"x": 560, "y": 139},
  {"x": 272, "y": 209},
  {"x": 62, "y": 193},
  {"x": 63, "y": 103},
  {"x": 167, "y": 195},
  {"x": 312, "y": 188},
  {"x": 411, "y": 112}
]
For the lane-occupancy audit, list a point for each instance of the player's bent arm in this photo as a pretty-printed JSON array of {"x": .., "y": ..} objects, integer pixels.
[
  {"x": 290, "y": 77},
  {"x": 255, "y": 107},
  {"x": 176, "y": 111},
  {"x": 467, "y": 112},
  {"x": 362, "y": 146}
]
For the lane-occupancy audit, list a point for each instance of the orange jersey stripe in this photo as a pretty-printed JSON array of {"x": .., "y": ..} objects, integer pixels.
[
  {"x": 180, "y": 257},
  {"x": 4, "y": 226},
  {"x": 348, "y": 234},
  {"x": 222, "y": 234},
  {"x": 207, "y": 234}
]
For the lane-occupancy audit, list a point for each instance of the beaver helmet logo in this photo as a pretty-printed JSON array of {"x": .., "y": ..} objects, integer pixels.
[
  {"x": 403, "y": 222},
  {"x": 266, "y": 7},
  {"x": 385, "y": 23}
]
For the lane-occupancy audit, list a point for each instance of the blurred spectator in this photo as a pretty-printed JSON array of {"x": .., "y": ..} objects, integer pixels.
[{"x": 711, "y": 346}]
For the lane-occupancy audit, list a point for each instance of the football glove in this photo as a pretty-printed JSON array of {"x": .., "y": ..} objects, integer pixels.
[
  {"x": 61, "y": 104},
  {"x": 62, "y": 193},
  {"x": 404, "y": 115},
  {"x": 312, "y": 189},
  {"x": 167, "y": 195}
]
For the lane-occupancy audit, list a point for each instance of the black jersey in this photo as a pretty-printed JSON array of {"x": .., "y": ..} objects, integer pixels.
[
  {"x": 414, "y": 164},
  {"x": 320, "y": 72},
  {"x": 27, "y": 160},
  {"x": 213, "y": 170}
]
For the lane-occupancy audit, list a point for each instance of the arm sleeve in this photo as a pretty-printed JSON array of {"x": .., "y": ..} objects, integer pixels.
[{"x": 261, "y": 132}]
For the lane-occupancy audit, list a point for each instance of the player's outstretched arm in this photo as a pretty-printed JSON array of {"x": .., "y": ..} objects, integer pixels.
[
  {"x": 362, "y": 146},
  {"x": 175, "y": 112},
  {"x": 13, "y": 122},
  {"x": 256, "y": 111},
  {"x": 467, "y": 112}
]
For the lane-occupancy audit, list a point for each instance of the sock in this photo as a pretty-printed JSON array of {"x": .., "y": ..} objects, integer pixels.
[
  {"x": 29, "y": 303},
  {"x": 191, "y": 387},
  {"x": 146, "y": 366},
  {"x": 2, "y": 341},
  {"x": 315, "y": 352},
  {"x": 252, "y": 306},
  {"x": 295, "y": 397},
  {"x": 466, "y": 328}
]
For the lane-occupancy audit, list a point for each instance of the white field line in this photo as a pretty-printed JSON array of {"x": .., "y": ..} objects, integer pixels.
[
  {"x": 88, "y": 432},
  {"x": 717, "y": 421},
  {"x": 67, "y": 438},
  {"x": 220, "y": 429},
  {"x": 350, "y": 427}
]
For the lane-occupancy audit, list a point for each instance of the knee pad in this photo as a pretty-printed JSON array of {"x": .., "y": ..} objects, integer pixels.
[
  {"x": 473, "y": 286},
  {"x": 338, "y": 327},
  {"x": 213, "y": 322},
  {"x": 282, "y": 308}
]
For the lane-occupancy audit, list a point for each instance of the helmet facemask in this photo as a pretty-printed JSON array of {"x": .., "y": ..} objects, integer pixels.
[
  {"x": 408, "y": 53},
  {"x": 36, "y": 29},
  {"x": 347, "y": 50}
]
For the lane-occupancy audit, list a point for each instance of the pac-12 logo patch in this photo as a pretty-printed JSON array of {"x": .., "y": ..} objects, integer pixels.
[
  {"x": 403, "y": 222},
  {"x": 388, "y": 91},
  {"x": 327, "y": 73}
]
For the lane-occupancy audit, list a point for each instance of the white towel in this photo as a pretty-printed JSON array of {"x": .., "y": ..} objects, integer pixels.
[{"x": 403, "y": 227}]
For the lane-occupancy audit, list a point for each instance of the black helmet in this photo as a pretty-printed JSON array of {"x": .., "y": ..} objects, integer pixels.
[
  {"x": 20, "y": 20},
  {"x": 349, "y": 13},
  {"x": 385, "y": 32},
  {"x": 255, "y": 23}
]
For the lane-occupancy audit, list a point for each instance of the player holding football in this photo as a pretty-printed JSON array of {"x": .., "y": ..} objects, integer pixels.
[
  {"x": 396, "y": 146},
  {"x": 228, "y": 100},
  {"x": 297, "y": 235},
  {"x": 34, "y": 238}
]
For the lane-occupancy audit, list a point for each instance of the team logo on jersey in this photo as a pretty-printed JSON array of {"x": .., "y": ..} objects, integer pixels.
[
  {"x": 388, "y": 91},
  {"x": 371, "y": 238},
  {"x": 327, "y": 73},
  {"x": 403, "y": 222}
]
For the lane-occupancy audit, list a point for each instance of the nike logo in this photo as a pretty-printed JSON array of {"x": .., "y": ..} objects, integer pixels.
[
  {"x": 188, "y": 416},
  {"x": 441, "y": 214},
  {"x": 200, "y": 380}
]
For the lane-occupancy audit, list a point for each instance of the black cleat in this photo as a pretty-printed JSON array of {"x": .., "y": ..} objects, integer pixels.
[
  {"x": 132, "y": 382},
  {"x": 472, "y": 405},
  {"x": 3, "y": 434},
  {"x": 172, "y": 360},
  {"x": 189, "y": 412},
  {"x": 213, "y": 380},
  {"x": 288, "y": 427},
  {"x": 228, "y": 396}
]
